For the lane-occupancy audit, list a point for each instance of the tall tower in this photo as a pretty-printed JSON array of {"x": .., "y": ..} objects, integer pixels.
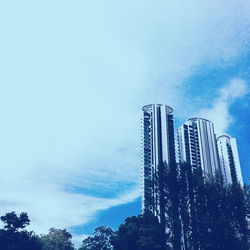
[
  {"x": 229, "y": 160},
  {"x": 197, "y": 145},
  {"x": 158, "y": 153}
]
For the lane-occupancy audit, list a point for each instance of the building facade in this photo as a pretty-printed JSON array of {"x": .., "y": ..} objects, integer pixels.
[
  {"x": 229, "y": 160},
  {"x": 158, "y": 153},
  {"x": 196, "y": 144}
]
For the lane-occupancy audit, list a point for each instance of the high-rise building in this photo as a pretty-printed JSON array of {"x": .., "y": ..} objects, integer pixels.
[
  {"x": 196, "y": 144},
  {"x": 158, "y": 153},
  {"x": 229, "y": 160}
]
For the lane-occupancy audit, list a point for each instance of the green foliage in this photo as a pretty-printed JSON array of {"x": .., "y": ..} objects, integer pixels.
[
  {"x": 57, "y": 239},
  {"x": 247, "y": 198},
  {"x": 19, "y": 240},
  {"x": 141, "y": 232},
  {"x": 13, "y": 222},
  {"x": 101, "y": 240},
  {"x": 213, "y": 216},
  {"x": 13, "y": 238},
  {"x": 171, "y": 192}
]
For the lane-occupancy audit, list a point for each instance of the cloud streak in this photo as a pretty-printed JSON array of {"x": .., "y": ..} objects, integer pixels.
[{"x": 219, "y": 113}]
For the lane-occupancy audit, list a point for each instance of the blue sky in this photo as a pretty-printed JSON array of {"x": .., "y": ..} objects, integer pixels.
[{"x": 74, "y": 76}]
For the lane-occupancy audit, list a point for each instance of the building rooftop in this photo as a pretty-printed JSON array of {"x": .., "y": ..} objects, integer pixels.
[{"x": 149, "y": 107}]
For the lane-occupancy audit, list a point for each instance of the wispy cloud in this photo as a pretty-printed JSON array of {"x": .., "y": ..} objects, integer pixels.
[
  {"x": 49, "y": 204},
  {"x": 219, "y": 113}
]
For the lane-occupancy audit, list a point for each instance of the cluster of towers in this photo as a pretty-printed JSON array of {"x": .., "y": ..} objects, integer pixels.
[{"x": 194, "y": 142}]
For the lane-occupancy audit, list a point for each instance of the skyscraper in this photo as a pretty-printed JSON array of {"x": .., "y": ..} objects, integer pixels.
[
  {"x": 229, "y": 160},
  {"x": 158, "y": 153},
  {"x": 196, "y": 144}
]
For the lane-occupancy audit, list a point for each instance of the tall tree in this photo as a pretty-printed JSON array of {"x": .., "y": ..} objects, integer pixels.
[
  {"x": 213, "y": 216},
  {"x": 239, "y": 207},
  {"x": 101, "y": 240},
  {"x": 13, "y": 223},
  {"x": 172, "y": 206},
  {"x": 57, "y": 239},
  {"x": 14, "y": 237},
  {"x": 141, "y": 232},
  {"x": 184, "y": 205}
]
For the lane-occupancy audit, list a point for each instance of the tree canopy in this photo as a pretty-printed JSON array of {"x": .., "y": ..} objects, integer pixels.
[
  {"x": 14, "y": 237},
  {"x": 213, "y": 215},
  {"x": 142, "y": 232},
  {"x": 12, "y": 222},
  {"x": 57, "y": 239},
  {"x": 101, "y": 240}
]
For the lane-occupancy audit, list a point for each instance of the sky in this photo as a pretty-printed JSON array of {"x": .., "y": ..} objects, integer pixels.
[{"x": 73, "y": 78}]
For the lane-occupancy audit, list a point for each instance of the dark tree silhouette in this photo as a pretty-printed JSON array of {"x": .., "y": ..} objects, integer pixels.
[
  {"x": 13, "y": 223},
  {"x": 57, "y": 239},
  {"x": 101, "y": 240},
  {"x": 172, "y": 206},
  {"x": 213, "y": 215},
  {"x": 141, "y": 232},
  {"x": 13, "y": 237}
]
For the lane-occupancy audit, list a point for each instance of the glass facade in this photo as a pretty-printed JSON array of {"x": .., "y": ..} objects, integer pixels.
[
  {"x": 158, "y": 153},
  {"x": 196, "y": 142},
  {"x": 229, "y": 160}
]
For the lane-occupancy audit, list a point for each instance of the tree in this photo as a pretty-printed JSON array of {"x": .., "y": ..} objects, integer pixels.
[
  {"x": 101, "y": 240},
  {"x": 171, "y": 192},
  {"x": 142, "y": 232},
  {"x": 220, "y": 234},
  {"x": 57, "y": 239},
  {"x": 184, "y": 204},
  {"x": 13, "y": 237},
  {"x": 247, "y": 199},
  {"x": 13, "y": 222},
  {"x": 213, "y": 215},
  {"x": 239, "y": 207}
]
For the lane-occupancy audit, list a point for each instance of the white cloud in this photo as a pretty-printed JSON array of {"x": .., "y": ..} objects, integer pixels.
[
  {"x": 49, "y": 205},
  {"x": 235, "y": 89},
  {"x": 77, "y": 239},
  {"x": 73, "y": 86},
  {"x": 219, "y": 113}
]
